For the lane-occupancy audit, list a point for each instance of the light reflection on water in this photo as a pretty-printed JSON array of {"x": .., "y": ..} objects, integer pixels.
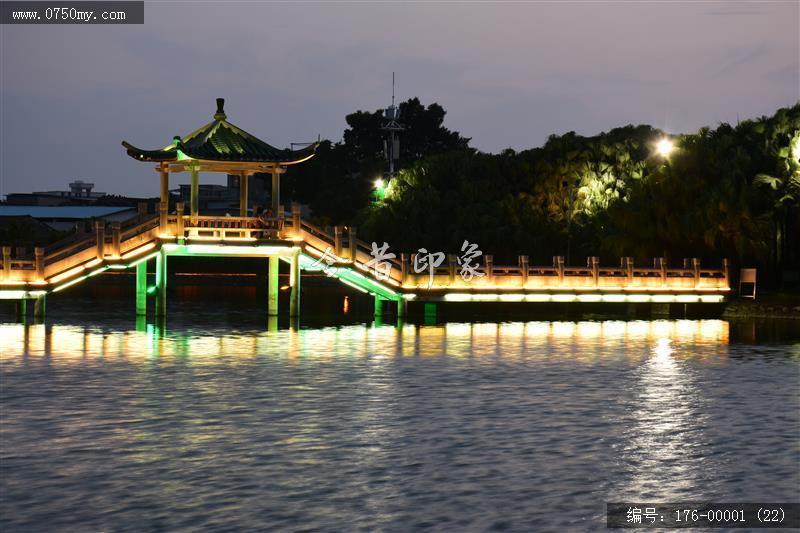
[{"x": 460, "y": 426}]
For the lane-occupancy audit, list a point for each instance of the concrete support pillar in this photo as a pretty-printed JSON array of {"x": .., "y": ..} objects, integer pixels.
[
  {"x": 276, "y": 190},
  {"x": 429, "y": 313},
  {"x": 294, "y": 282},
  {"x": 39, "y": 258},
  {"x": 402, "y": 307},
  {"x": 100, "y": 230},
  {"x": 337, "y": 241},
  {"x": 523, "y": 269},
  {"x": 161, "y": 283},
  {"x": 379, "y": 307},
  {"x": 116, "y": 231},
  {"x": 272, "y": 286},
  {"x": 6, "y": 262},
  {"x": 194, "y": 195},
  {"x": 39, "y": 307},
  {"x": 243, "y": 193},
  {"x": 141, "y": 289},
  {"x": 22, "y": 310}
]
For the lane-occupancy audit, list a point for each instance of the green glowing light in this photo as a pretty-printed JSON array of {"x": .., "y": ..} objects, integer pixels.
[{"x": 151, "y": 289}]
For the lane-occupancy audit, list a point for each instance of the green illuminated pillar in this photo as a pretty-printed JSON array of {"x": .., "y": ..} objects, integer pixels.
[
  {"x": 161, "y": 283},
  {"x": 272, "y": 286},
  {"x": 401, "y": 307},
  {"x": 294, "y": 281},
  {"x": 39, "y": 307},
  {"x": 430, "y": 313},
  {"x": 141, "y": 289},
  {"x": 22, "y": 310},
  {"x": 378, "y": 306}
]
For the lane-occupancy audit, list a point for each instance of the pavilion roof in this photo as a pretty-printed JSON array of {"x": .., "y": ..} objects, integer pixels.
[{"x": 221, "y": 141}]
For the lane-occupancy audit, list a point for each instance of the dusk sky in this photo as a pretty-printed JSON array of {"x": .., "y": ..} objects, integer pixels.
[{"x": 508, "y": 74}]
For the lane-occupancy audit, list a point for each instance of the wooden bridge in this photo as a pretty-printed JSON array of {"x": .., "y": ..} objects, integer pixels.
[{"x": 339, "y": 253}]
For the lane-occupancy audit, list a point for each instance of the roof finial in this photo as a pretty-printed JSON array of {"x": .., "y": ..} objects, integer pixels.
[
  {"x": 220, "y": 114},
  {"x": 176, "y": 140}
]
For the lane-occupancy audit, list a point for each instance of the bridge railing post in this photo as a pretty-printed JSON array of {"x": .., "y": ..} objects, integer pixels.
[
  {"x": 115, "y": 238},
  {"x": 352, "y": 242},
  {"x": 488, "y": 267},
  {"x": 179, "y": 210},
  {"x": 593, "y": 263},
  {"x": 523, "y": 268},
  {"x": 726, "y": 272},
  {"x": 696, "y": 268},
  {"x": 6, "y": 262},
  {"x": 296, "y": 219},
  {"x": 100, "y": 230},
  {"x": 337, "y": 241},
  {"x": 38, "y": 254},
  {"x": 558, "y": 264},
  {"x": 162, "y": 217},
  {"x": 451, "y": 267},
  {"x": 627, "y": 264},
  {"x": 660, "y": 264}
]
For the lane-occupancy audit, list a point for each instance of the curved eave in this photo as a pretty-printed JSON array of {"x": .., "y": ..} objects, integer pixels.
[
  {"x": 158, "y": 156},
  {"x": 166, "y": 155}
]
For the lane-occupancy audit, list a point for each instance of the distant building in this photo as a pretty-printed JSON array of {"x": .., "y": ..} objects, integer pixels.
[
  {"x": 79, "y": 191},
  {"x": 66, "y": 218}
]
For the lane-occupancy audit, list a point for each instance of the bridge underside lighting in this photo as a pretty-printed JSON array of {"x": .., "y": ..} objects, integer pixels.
[{"x": 586, "y": 298}]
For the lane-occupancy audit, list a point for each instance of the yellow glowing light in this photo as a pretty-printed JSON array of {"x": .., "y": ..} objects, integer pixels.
[
  {"x": 665, "y": 147},
  {"x": 68, "y": 274},
  {"x": 138, "y": 251}
]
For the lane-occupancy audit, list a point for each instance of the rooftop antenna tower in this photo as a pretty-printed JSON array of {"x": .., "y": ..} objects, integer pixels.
[{"x": 391, "y": 145}]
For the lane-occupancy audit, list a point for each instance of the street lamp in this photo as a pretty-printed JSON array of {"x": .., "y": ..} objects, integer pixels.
[
  {"x": 665, "y": 147},
  {"x": 380, "y": 190}
]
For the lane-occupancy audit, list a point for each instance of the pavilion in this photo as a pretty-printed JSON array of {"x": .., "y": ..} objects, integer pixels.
[{"x": 220, "y": 146}]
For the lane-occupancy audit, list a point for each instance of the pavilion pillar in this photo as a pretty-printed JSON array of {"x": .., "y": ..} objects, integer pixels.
[
  {"x": 243, "y": 193},
  {"x": 194, "y": 194},
  {"x": 276, "y": 190},
  {"x": 378, "y": 306},
  {"x": 401, "y": 307},
  {"x": 164, "y": 171},
  {"x": 161, "y": 283},
  {"x": 294, "y": 282},
  {"x": 272, "y": 286},
  {"x": 141, "y": 288}
]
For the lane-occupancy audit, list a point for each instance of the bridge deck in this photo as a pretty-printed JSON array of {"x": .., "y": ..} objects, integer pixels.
[{"x": 343, "y": 256}]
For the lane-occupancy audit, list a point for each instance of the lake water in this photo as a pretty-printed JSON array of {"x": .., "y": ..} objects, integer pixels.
[{"x": 213, "y": 422}]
